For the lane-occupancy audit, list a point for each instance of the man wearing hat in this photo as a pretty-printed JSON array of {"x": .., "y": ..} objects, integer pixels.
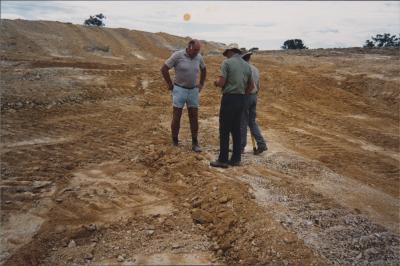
[
  {"x": 235, "y": 80},
  {"x": 249, "y": 112}
]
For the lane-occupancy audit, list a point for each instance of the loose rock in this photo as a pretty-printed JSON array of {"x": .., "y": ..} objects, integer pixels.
[
  {"x": 201, "y": 216},
  {"x": 71, "y": 244}
]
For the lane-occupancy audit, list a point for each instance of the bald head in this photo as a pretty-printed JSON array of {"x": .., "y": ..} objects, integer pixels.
[{"x": 193, "y": 48}]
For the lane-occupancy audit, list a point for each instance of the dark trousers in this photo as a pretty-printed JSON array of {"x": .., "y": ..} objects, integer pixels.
[{"x": 230, "y": 114}]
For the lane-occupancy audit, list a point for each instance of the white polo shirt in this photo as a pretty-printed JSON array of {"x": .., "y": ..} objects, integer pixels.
[{"x": 186, "y": 68}]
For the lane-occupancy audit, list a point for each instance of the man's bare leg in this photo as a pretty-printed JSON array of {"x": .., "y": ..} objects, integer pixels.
[
  {"x": 194, "y": 127},
  {"x": 175, "y": 124}
]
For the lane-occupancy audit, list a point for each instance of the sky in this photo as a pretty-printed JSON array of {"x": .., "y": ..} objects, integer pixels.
[{"x": 262, "y": 24}]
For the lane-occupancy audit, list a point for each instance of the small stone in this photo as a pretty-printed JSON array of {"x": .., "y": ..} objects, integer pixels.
[
  {"x": 88, "y": 256},
  {"x": 359, "y": 256},
  {"x": 71, "y": 244},
  {"x": 201, "y": 216},
  {"x": 226, "y": 245},
  {"x": 149, "y": 232},
  {"x": 194, "y": 198},
  {"x": 92, "y": 227},
  {"x": 283, "y": 199},
  {"x": 215, "y": 247},
  {"x": 59, "y": 200},
  {"x": 8, "y": 202},
  {"x": 220, "y": 252},
  {"x": 150, "y": 227},
  {"x": 308, "y": 223},
  {"x": 175, "y": 246},
  {"x": 288, "y": 240},
  {"x": 120, "y": 258},
  {"x": 223, "y": 200},
  {"x": 252, "y": 196},
  {"x": 197, "y": 203},
  {"x": 40, "y": 184},
  {"x": 186, "y": 205},
  {"x": 371, "y": 252}
]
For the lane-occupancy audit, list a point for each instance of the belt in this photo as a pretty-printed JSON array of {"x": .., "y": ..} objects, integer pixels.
[{"x": 184, "y": 87}]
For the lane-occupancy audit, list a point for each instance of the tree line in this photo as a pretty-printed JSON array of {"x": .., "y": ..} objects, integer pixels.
[{"x": 377, "y": 41}]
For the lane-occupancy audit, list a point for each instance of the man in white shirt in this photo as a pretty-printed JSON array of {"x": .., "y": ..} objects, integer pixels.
[{"x": 185, "y": 89}]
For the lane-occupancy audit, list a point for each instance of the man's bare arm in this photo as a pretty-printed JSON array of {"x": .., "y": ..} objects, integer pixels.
[
  {"x": 167, "y": 77},
  {"x": 203, "y": 74},
  {"x": 220, "y": 82}
]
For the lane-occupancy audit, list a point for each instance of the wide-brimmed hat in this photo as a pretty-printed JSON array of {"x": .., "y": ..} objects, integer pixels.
[
  {"x": 232, "y": 48},
  {"x": 248, "y": 54}
]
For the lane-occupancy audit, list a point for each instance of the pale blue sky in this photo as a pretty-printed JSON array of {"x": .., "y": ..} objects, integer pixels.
[{"x": 250, "y": 24}]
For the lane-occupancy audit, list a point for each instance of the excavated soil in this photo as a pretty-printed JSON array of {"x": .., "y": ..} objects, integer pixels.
[{"x": 89, "y": 175}]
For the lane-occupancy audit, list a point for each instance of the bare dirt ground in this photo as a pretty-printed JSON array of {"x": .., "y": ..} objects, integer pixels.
[{"x": 89, "y": 175}]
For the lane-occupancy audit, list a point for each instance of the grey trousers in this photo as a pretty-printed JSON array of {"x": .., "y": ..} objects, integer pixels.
[{"x": 249, "y": 119}]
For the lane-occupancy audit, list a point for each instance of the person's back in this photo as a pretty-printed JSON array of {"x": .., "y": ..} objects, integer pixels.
[
  {"x": 236, "y": 72},
  {"x": 255, "y": 74},
  {"x": 249, "y": 112}
]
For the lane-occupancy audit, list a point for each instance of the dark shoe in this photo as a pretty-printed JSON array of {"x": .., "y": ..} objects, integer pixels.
[
  {"x": 233, "y": 163},
  {"x": 196, "y": 148},
  {"x": 219, "y": 164},
  {"x": 260, "y": 150},
  {"x": 175, "y": 142}
]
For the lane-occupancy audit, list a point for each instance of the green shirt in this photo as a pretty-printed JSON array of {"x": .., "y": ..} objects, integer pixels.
[{"x": 236, "y": 73}]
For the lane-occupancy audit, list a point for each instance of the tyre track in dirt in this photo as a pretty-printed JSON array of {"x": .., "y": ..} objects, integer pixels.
[{"x": 106, "y": 160}]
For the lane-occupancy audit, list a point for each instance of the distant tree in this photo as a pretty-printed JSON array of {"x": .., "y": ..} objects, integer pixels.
[
  {"x": 293, "y": 44},
  {"x": 253, "y": 49},
  {"x": 369, "y": 44},
  {"x": 96, "y": 20},
  {"x": 383, "y": 40},
  {"x": 243, "y": 49}
]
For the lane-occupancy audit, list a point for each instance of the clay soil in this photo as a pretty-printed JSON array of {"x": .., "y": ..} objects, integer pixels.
[{"x": 89, "y": 175}]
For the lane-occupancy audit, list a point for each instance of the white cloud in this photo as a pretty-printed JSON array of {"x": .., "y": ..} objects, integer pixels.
[{"x": 261, "y": 24}]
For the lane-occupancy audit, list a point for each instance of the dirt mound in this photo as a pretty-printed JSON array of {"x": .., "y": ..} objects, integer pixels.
[
  {"x": 89, "y": 175},
  {"x": 33, "y": 39}
]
